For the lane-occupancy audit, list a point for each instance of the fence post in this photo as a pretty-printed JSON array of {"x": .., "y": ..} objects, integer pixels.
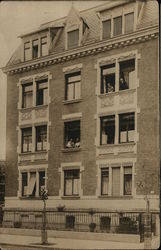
[{"x": 141, "y": 226}]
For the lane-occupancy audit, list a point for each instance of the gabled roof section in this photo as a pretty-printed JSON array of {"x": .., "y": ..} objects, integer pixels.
[{"x": 73, "y": 17}]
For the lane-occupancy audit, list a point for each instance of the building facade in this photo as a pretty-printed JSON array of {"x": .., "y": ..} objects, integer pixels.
[{"x": 83, "y": 115}]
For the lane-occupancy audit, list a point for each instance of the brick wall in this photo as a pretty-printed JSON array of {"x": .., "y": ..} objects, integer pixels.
[{"x": 147, "y": 154}]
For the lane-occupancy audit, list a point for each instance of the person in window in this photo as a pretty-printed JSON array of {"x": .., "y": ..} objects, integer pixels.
[
  {"x": 77, "y": 144},
  {"x": 70, "y": 144},
  {"x": 123, "y": 83},
  {"x": 110, "y": 87}
]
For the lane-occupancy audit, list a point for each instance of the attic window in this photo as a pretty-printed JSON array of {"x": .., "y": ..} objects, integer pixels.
[
  {"x": 117, "y": 26},
  {"x": 73, "y": 39},
  {"x": 27, "y": 51},
  {"x": 44, "y": 51},
  {"x": 35, "y": 48},
  {"x": 129, "y": 22},
  {"x": 106, "y": 29}
]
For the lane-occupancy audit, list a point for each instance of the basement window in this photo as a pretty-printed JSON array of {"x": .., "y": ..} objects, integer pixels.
[
  {"x": 41, "y": 138},
  {"x": 26, "y": 140},
  {"x": 126, "y": 127},
  {"x": 71, "y": 182},
  {"x": 107, "y": 133},
  {"x": 42, "y": 92},
  {"x": 108, "y": 78},
  {"x": 70, "y": 221},
  {"x": 105, "y": 222},
  {"x": 72, "y": 134}
]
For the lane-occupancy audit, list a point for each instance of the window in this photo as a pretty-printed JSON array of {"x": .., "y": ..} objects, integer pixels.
[
  {"x": 29, "y": 183},
  {"x": 108, "y": 78},
  {"x": 105, "y": 222},
  {"x": 126, "y": 127},
  {"x": 127, "y": 180},
  {"x": 26, "y": 140},
  {"x": 27, "y": 95},
  {"x": 107, "y": 135},
  {"x": 72, "y": 134},
  {"x": 104, "y": 181},
  {"x": 116, "y": 181},
  {"x": 71, "y": 182},
  {"x": 42, "y": 92},
  {"x": 106, "y": 29},
  {"x": 73, "y": 86},
  {"x": 127, "y": 74},
  {"x": 24, "y": 184},
  {"x": 41, "y": 138},
  {"x": 117, "y": 26},
  {"x": 129, "y": 22},
  {"x": 27, "y": 55},
  {"x": 35, "y": 49},
  {"x": 44, "y": 48},
  {"x": 73, "y": 39},
  {"x": 70, "y": 221}
]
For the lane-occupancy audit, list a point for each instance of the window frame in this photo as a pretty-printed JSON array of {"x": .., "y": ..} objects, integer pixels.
[
  {"x": 42, "y": 135},
  {"x": 24, "y": 94},
  {"x": 27, "y": 50},
  {"x": 35, "y": 49},
  {"x": 113, "y": 117},
  {"x": 41, "y": 45},
  {"x": 102, "y": 176},
  {"x": 39, "y": 82},
  {"x": 75, "y": 45},
  {"x": 128, "y": 123},
  {"x": 67, "y": 136},
  {"x": 36, "y": 188},
  {"x": 129, "y": 175},
  {"x": 28, "y": 138},
  {"x": 72, "y": 178},
  {"x": 67, "y": 83}
]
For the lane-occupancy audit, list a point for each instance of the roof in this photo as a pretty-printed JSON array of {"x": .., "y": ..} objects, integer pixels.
[{"x": 148, "y": 17}]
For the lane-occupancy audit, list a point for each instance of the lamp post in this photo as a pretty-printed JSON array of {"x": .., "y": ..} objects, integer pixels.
[{"x": 44, "y": 197}]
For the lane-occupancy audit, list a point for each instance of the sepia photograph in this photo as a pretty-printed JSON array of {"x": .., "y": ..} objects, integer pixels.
[{"x": 79, "y": 125}]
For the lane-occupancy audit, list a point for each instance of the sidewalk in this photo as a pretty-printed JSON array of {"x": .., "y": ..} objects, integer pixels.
[{"x": 61, "y": 243}]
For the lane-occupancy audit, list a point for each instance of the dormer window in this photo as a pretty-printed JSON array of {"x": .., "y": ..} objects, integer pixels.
[
  {"x": 27, "y": 51},
  {"x": 73, "y": 39},
  {"x": 115, "y": 26},
  {"x": 106, "y": 29},
  {"x": 129, "y": 22},
  {"x": 117, "y": 29},
  {"x": 44, "y": 48},
  {"x": 35, "y": 48}
]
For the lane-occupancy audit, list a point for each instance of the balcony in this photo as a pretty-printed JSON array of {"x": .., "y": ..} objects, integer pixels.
[
  {"x": 30, "y": 115},
  {"x": 115, "y": 101}
]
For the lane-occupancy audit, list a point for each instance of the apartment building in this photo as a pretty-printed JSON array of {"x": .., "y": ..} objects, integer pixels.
[{"x": 83, "y": 116}]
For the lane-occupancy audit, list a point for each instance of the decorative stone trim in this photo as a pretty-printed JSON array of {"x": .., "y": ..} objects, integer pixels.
[
  {"x": 72, "y": 116},
  {"x": 101, "y": 46},
  {"x": 72, "y": 68}
]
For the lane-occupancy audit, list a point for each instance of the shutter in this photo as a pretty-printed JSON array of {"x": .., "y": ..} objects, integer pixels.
[{"x": 116, "y": 181}]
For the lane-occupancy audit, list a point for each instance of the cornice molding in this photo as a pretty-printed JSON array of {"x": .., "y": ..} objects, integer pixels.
[{"x": 101, "y": 46}]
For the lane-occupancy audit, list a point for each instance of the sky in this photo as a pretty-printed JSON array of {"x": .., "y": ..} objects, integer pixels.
[{"x": 19, "y": 17}]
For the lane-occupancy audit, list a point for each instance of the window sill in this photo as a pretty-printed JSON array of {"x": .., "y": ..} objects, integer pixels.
[
  {"x": 66, "y": 150},
  {"x": 71, "y": 101},
  {"x": 126, "y": 197},
  {"x": 114, "y": 145},
  {"x": 33, "y": 107},
  {"x": 36, "y": 152},
  {"x": 73, "y": 197},
  {"x": 116, "y": 92}
]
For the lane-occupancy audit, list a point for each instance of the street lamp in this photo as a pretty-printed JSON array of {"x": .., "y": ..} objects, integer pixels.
[{"x": 44, "y": 197}]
